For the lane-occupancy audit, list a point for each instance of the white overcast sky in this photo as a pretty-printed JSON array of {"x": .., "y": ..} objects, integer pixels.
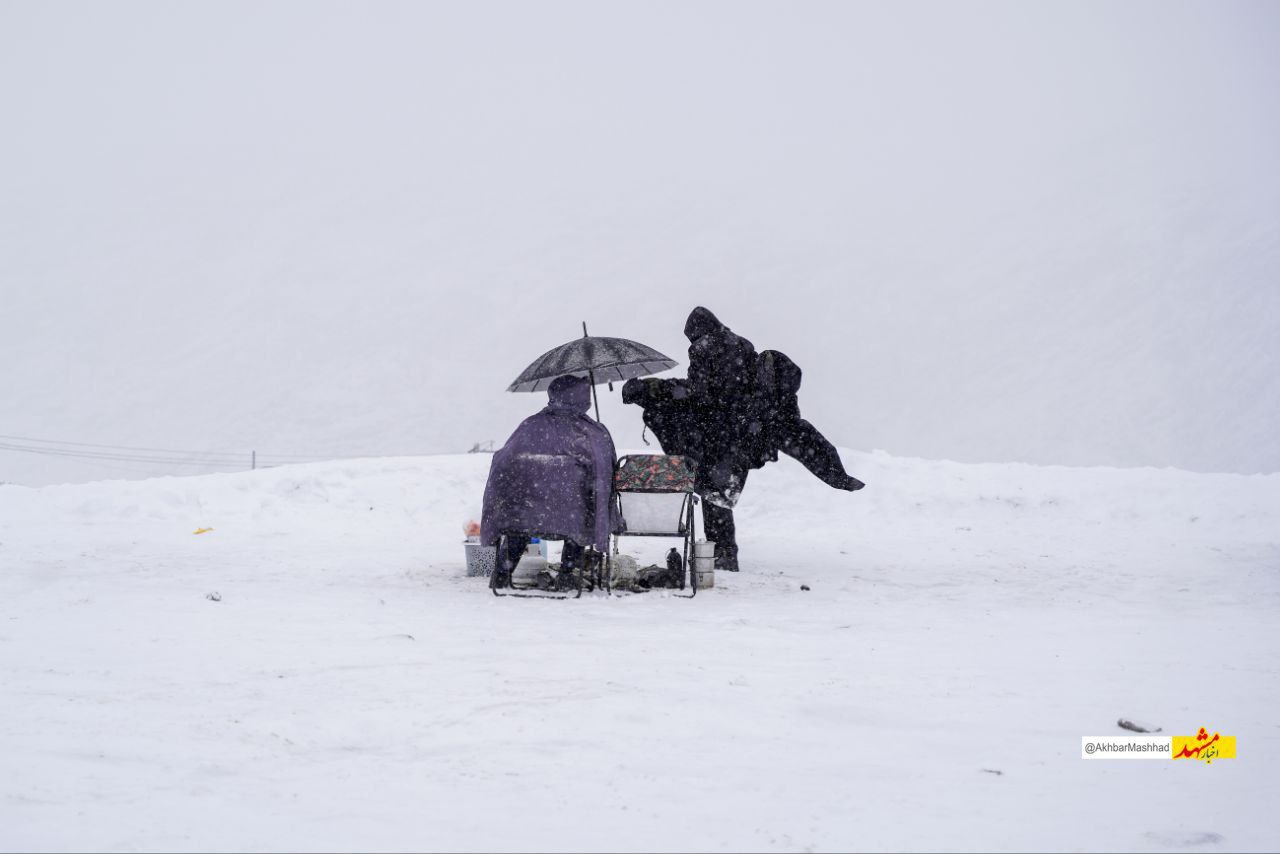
[{"x": 987, "y": 231}]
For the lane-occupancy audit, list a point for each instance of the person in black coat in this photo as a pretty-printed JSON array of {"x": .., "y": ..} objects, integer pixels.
[
  {"x": 735, "y": 412},
  {"x": 782, "y": 429}
]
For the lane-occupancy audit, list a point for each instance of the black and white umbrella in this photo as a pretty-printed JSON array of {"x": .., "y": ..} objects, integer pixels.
[{"x": 600, "y": 359}]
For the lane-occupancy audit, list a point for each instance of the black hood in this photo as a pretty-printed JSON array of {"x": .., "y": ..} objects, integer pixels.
[
  {"x": 701, "y": 322},
  {"x": 777, "y": 373}
]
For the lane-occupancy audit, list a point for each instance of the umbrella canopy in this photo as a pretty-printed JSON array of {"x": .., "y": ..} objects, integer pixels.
[{"x": 601, "y": 359}]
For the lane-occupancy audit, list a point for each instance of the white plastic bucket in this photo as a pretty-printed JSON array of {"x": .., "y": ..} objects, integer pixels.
[
  {"x": 705, "y": 566},
  {"x": 531, "y": 563},
  {"x": 704, "y": 563}
]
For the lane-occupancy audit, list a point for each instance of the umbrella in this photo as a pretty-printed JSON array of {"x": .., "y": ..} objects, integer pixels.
[{"x": 598, "y": 358}]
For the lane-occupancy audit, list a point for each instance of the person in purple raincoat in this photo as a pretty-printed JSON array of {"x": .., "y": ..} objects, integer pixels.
[{"x": 553, "y": 478}]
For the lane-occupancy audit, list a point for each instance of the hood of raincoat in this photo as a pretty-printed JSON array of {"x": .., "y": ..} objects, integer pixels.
[
  {"x": 776, "y": 374},
  {"x": 701, "y": 322},
  {"x": 569, "y": 395},
  {"x": 554, "y": 476}
]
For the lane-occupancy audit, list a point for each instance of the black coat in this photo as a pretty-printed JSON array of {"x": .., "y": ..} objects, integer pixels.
[
  {"x": 668, "y": 412},
  {"x": 735, "y": 412},
  {"x": 777, "y": 383},
  {"x": 722, "y": 364},
  {"x": 722, "y": 387}
]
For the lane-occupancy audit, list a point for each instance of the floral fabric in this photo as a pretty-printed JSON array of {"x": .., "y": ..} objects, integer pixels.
[{"x": 654, "y": 473}]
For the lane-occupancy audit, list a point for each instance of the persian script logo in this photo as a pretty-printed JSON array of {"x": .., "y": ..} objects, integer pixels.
[{"x": 1204, "y": 747}]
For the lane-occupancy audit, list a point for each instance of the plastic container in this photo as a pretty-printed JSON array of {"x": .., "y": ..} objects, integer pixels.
[
  {"x": 531, "y": 563},
  {"x": 624, "y": 570},
  {"x": 704, "y": 563},
  {"x": 706, "y": 569},
  {"x": 480, "y": 559}
]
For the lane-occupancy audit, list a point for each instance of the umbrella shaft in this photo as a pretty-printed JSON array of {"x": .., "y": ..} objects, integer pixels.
[{"x": 594, "y": 397}]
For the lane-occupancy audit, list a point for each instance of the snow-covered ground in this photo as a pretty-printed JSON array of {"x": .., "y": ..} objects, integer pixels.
[{"x": 966, "y": 625}]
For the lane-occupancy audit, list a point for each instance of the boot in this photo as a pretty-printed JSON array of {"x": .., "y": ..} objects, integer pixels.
[
  {"x": 726, "y": 559},
  {"x": 566, "y": 580}
]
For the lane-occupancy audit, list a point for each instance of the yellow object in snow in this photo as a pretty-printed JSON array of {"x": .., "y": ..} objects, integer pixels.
[{"x": 203, "y": 530}]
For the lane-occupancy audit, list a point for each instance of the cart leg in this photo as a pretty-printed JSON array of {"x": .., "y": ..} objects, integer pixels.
[
  {"x": 499, "y": 566},
  {"x": 688, "y": 547}
]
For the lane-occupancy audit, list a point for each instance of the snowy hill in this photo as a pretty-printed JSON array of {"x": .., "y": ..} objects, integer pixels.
[
  {"x": 966, "y": 625},
  {"x": 986, "y": 233}
]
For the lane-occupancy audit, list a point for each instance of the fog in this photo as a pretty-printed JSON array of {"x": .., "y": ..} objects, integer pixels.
[{"x": 986, "y": 231}]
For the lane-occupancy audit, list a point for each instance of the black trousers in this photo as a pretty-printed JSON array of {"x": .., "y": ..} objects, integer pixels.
[
  {"x": 802, "y": 441},
  {"x": 718, "y": 526}
]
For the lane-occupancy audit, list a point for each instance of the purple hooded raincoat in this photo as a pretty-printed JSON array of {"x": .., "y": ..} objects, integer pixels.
[{"x": 554, "y": 476}]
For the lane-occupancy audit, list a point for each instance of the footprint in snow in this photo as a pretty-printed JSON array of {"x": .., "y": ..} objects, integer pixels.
[{"x": 1175, "y": 839}]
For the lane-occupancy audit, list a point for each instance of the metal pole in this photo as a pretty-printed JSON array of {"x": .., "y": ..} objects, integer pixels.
[
  {"x": 253, "y": 460},
  {"x": 592, "y": 376}
]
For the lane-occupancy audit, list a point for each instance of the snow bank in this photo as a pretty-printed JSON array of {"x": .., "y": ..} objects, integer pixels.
[{"x": 352, "y": 689}]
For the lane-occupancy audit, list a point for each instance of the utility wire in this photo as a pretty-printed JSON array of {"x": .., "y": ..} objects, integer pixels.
[
  {"x": 86, "y": 451},
  {"x": 236, "y": 454},
  {"x": 149, "y": 472},
  {"x": 128, "y": 458}
]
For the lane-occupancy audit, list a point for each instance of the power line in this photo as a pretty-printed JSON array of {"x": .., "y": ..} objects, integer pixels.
[
  {"x": 149, "y": 472},
  {"x": 128, "y": 458},
  {"x": 207, "y": 454},
  {"x": 89, "y": 452}
]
